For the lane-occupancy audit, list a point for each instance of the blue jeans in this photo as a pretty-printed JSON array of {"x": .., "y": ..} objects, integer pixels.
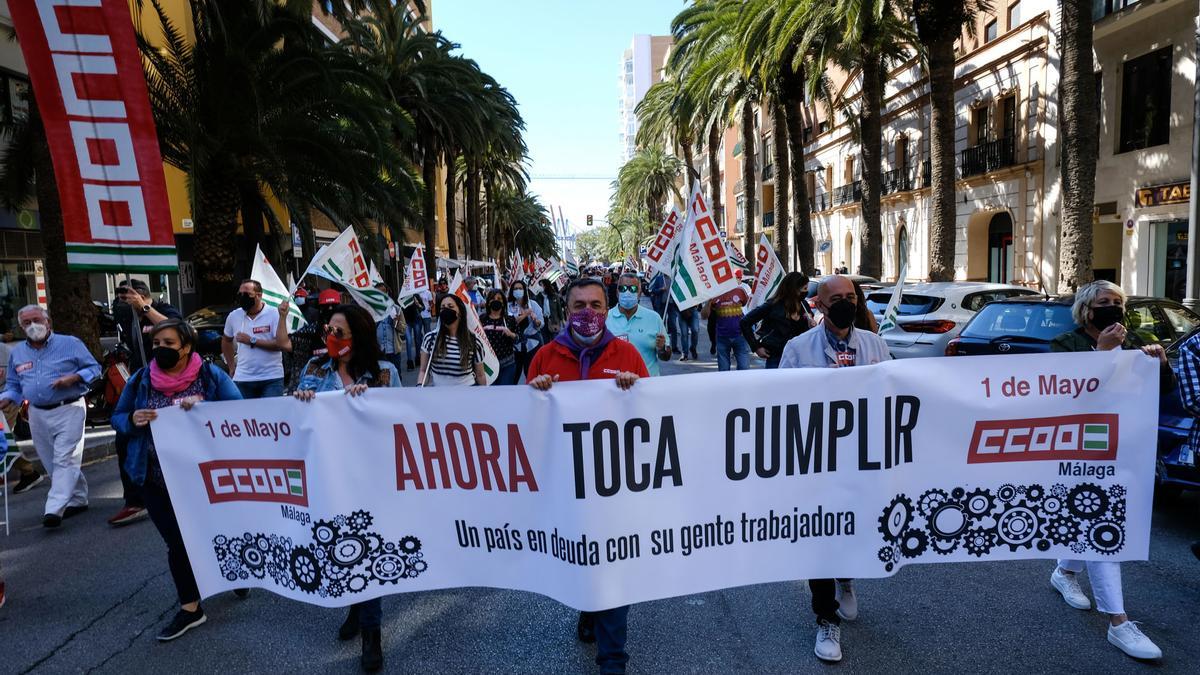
[
  {"x": 611, "y": 625},
  {"x": 416, "y": 331},
  {"x": 741, "y": 352},
  {"x": 370, "y": 612},
  {"x": 689, "y": 329},
  {"x": 261, "y": 388},
  {"x": 508, "y": 374},
  {"x": 673, "y": 326}
]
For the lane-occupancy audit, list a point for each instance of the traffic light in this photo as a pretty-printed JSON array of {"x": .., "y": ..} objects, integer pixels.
[{"x": 589, "y": 220}]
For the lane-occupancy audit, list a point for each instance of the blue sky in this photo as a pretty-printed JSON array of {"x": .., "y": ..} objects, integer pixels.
[{"x": 560, "y": 59}]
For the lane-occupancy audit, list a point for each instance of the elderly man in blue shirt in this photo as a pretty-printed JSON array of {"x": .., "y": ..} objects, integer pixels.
[
  {"x": 641, "y": 327},
  {"x": 53, "y": 372}
]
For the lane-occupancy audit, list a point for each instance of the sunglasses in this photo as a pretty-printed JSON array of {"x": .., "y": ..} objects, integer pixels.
[
  {"x": 337, "y": 332},
  {"x": 627, "y": 288}
]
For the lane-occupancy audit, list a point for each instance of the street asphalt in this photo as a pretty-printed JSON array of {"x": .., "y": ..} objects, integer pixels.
[{"x": 88, "y": 598}]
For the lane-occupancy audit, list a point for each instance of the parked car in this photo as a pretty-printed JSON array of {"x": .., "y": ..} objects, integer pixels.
[
  {"x": 1028, "y": 325},
  {"x": 209, "y": 323},
  {"x": 932, "y": 314},
  {"x": 868, "y": 283}
]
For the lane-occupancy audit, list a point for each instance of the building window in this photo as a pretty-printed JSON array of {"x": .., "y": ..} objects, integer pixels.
[
  {"x": 1008, "y": 117},
  {"x": 979, "y": 125},
  {"x": 849, "y": 170},
  {"x": 14, "y": 97},
  {"x": 1146, "y": 101},
  {"x": 1014, "y": 15},
  {"x": 990, "y": 31},
  {"x": 807, "y": 137},
  {"x": 823, "y": 126},
  {"x": 901, "y": 159}
]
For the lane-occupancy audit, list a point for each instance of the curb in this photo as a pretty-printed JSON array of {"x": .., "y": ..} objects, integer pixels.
[{"x": 99, "y": 444}]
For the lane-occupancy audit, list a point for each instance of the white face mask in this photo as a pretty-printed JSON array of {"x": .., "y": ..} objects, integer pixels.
[{"x": 37, "y": 331}]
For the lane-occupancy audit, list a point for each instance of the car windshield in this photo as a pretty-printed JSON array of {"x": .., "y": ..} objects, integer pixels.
[
  {"x": 1039, "y": 321},
  {"x": 909, "y": 304}
]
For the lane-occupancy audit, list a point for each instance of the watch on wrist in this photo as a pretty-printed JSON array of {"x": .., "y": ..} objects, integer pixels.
[
  {"x": 145, "y": 309},
  {"x": 253, "y": 340}
]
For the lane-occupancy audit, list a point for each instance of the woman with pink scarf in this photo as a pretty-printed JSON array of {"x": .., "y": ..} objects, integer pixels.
[{"x": 176, "y": 376}]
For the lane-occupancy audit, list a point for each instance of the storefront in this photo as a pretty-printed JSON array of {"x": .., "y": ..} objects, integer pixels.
[{"x": 1163, "y": 208}]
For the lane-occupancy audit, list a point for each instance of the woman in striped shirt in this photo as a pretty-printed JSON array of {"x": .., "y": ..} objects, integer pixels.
[{"x": 450, "y": 353}]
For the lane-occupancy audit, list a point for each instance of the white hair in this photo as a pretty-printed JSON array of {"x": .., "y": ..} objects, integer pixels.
[
  {"x": 1087, "y": 295},
  {"x": 34, "y": 308}
]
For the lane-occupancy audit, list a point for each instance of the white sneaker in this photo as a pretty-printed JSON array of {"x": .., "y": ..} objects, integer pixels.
[
  {"x": 847, "y": 601},
  {"x": 1129, "y": 639},
  {"x": 829, "y": 642},
  {"x": 1068, "y": 586}
]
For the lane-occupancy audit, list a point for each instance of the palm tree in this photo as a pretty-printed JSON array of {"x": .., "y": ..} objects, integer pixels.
[
  {"x": 1077, "y": 108},
  {"x": 646, "y": 181},
  {"x": 258, "y": 105},
  {"x": 26, "y": 171},
  {"x": 939, "y": 24},
  {"x": 665, "y": 116},
  {"x": 522, "y": 223},
  {"x": 857, "y": 36}
]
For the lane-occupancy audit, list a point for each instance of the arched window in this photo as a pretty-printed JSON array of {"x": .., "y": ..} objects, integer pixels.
[{"x": 901, "y": 252}]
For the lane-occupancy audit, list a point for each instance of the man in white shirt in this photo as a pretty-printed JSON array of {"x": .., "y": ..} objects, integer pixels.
[{"x": 259, "y": 335}]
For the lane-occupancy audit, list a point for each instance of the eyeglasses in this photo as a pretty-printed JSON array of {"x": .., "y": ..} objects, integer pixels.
[{"x": 627, "y": 288}]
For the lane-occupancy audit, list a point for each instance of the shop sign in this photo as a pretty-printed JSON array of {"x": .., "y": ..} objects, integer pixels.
[{"x": 1162, "y": 195}]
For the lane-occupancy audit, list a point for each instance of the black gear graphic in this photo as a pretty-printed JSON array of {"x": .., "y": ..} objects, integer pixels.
[
  {"x": 948, "y": 521},
  {"x": 979, "y": 541},
  {"x": 348, "y": 550},
  {"x": 931, "y": 500},
  {"x": 359, "y": 520},
  {"x": 1078, "y": 547},
  {"x": 340, "y": 520},
  {"x": 253, "y": 558},
  {"x": 913, "y": 543},
  {"x": 324, "y": 532},
  {"x": 1043, "y": 545},
  {"x": 220, "y": 540},
  {"x": 410, "y": 544},
  {"x": 305, "y": 569},
  {"x": 418, "y": 566},
  {"x": 943, "y": 546},
  {"x": 886, "y": 554},
  {"x": 1106, "y": 536},
  {"x": 1017, "y": 526},
  {"x": 357, "y": 583},
  {"x": 335, "y": 589},
  {"x": 1117, "y": 509},
  {"x": 896, "y": 518},
  {"x": 1087, "y": 501},
  {"x": 1058, "y": 490},
  {"x": 388, "y": 568},
  {"x": 979, "y": 502},
  {"x": 1051, "y": 505},
  {"x": 1061, "y": 530},
  {"x": 1006, "y": 492},
  {"x": 1116, "y": 492},
  {"x": 957, "y": 493},
  {"x": 1034, "y": 492}
]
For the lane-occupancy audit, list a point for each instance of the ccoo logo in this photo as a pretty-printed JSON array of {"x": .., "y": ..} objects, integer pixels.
[
  {"x": 1070, "y": 437},
  {"x": 256, "y": 480}
]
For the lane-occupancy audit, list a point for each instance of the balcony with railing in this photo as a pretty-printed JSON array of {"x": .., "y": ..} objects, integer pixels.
[
  {"x": 737, "y": 187},
  {"x": 896, "y": 180},
  {"x": 989, "y": 156},
  {"x": 848, "y": 194},
  {"x": 768, "y": 173},
  {"x": 820, "y": 202},
  {"x": 926, "y": 173}
]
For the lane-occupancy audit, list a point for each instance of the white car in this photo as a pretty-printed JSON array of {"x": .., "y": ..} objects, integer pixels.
[{"x": 931, "y": 314}]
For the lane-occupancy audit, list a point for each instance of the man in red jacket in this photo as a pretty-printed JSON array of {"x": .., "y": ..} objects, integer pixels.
[{"x": 585, "y": 350}]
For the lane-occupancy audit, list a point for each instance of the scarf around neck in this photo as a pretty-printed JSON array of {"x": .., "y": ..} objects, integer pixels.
[
  {"x": 173, "y": 384},
  {"x": 585, "y": 353}
]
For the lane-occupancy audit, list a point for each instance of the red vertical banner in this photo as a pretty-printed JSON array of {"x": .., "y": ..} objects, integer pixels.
[{"x": 87, "y": 78}]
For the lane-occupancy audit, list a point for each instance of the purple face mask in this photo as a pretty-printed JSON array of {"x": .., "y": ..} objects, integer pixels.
[{"x": 587, "y": 324}]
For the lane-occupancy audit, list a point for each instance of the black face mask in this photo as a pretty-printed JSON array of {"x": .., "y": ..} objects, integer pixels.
[
  {"x": 245, "y": 301},
  {"x": 842, "y": 313},
  {"x": 1103, "y": 317},
  {"x": 448, "y": 316},
  {"x": 165, "y": 357},
  {"x": 495, "y": 306}
]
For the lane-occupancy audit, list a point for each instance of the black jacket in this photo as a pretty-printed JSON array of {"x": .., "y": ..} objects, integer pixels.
[{"x": 776, "y": 329}]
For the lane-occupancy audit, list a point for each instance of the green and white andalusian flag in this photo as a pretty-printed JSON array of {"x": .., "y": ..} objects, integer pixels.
[
  {"x": 702, "y": 267},
  {"x": 491, "y": 363},
  {"x": 769, "y": 275},
  {"x": 274, "y": 291},
  {"x": 737, "y": 259},
  {"x": 572, "y": 265},
  {"x": 343, "y": 262},
  {"x": 892, "y": 313}
]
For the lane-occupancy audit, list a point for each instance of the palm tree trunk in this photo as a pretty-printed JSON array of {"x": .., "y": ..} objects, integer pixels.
[
  {"x": 252, "y": 229},
  {"x": 871, "y": 259},
  {"x": 429, "y": 208},
  {"x": 805, "y": 249},
  {"x": 451, "y": 196},
  {"x": 689, "y": 160},
  {"x": 70, "y": 294},
  {"x": 942, "y": 216},
  {"x": 652, "y": 212},
  {"x": 493, "y": 236},
  {"x": 473, "y": 211},
  {"x": 749, "y": 184},
  {"x": 216, "y": 237},
  {"x": 1078, "y": 166},
  {"x": 782, "y": 177},
  {"x": 715, "y": 184}
]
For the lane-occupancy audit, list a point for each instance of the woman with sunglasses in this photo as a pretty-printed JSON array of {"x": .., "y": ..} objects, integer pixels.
[
  {"x": 501, "y": 331},
  {"x": 451, "y": 355},
  {"x": 529, "y": 319},
  {"x": 352, "y": 364}
]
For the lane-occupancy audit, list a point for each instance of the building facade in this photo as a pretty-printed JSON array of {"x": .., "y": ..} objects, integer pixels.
[{"x": 641, "y": 68}]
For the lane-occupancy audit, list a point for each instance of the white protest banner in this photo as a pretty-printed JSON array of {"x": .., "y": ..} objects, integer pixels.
[
  {"x": 736, "y": 258},
  {"x": 702, "y": 269},
  {"x": 343, "y": 262},
  {"x": 571, "y": 264},
  {"x": 660, "y": 254},
  {"x": 274, "y": 293},
  {"x": 491, "y": 363},
  {"x": 891, "y": 314},
  {"x": 598, "y": 497},
  {"x": 769, "y": 274},
  {"x": 416, "y": 276},
  {"x": 373, "y": 272},
  {"x": 517, "y": 270}
]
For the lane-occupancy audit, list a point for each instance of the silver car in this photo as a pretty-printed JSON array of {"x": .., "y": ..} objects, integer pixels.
[{"x": 931, "y": 314}]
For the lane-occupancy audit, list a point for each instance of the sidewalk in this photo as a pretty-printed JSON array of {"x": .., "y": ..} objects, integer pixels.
[{"x": 99, "y": 443}]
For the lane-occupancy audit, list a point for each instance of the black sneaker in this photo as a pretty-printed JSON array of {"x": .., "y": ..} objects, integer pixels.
[
  {"x": 28, "y": 482},
  {"x": 585, "y": 630},
  {"x": 182, "y": 623},
  {"x": 1196, "y": 549},
  {"x": 74, "y": 510},
  {"x": 51, "y": 521}
]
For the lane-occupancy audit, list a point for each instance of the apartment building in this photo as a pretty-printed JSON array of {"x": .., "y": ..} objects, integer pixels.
[{"x": 641, "y": 68}]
